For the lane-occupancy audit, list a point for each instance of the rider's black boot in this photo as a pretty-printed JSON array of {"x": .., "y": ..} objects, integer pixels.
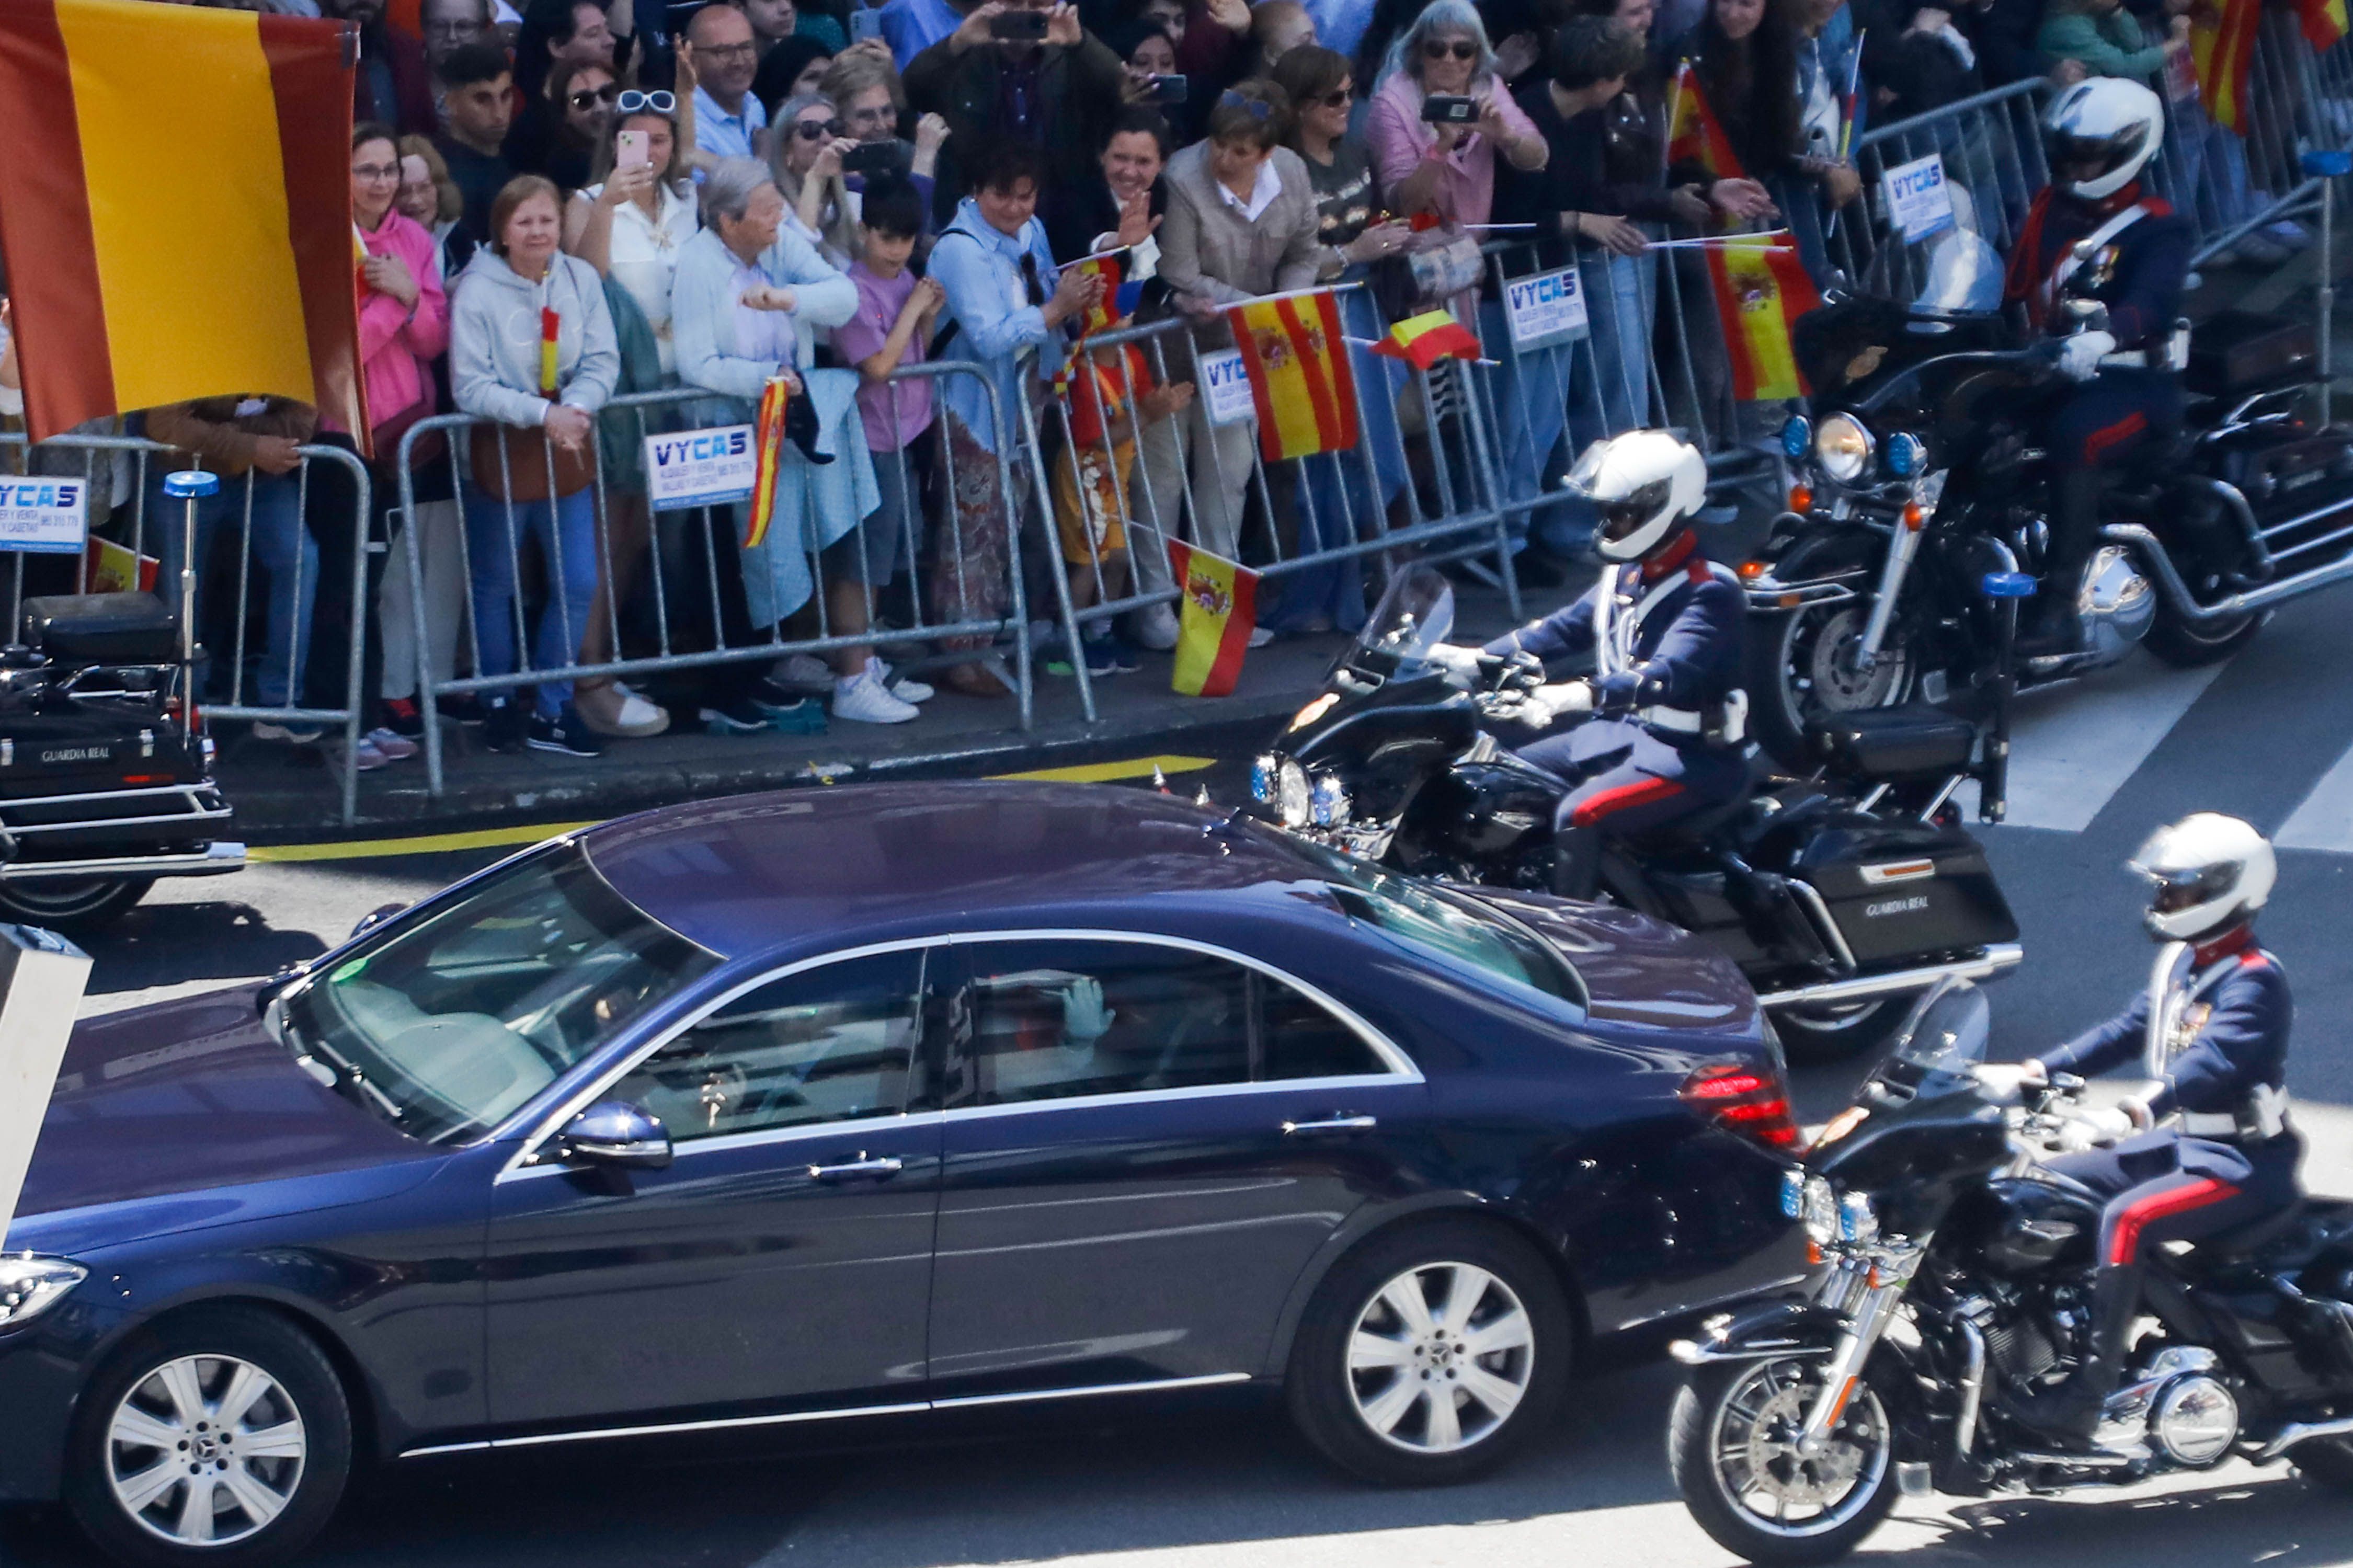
[
  {"x": 2071, "y": 1410},
  {"x": 2054, "y": 625},
  {"x": 1576, "y": 863}
]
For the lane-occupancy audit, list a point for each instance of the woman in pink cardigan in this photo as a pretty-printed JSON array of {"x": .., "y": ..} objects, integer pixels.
[{"x": 1449, "y": 170}]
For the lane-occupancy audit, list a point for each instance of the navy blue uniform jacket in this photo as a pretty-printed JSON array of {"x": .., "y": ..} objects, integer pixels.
[{"x": 2243, "y": 1043}]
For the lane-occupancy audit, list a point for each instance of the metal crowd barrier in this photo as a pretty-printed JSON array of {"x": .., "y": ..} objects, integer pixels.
[
  {"x": 146, "y": 524},
  {"x": 719, "y": 529}
]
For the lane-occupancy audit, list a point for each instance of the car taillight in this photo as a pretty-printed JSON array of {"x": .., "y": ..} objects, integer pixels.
[{"x": 1745, "y": 1100}]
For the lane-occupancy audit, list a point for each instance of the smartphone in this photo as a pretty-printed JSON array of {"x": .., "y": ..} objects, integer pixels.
[
  {"x": 1168, "y": 90},
  {"x": 1019, "y": 25},
  {"x": 630, "y": 150},
  {"x": 871, "y": 158},
  {"x": 1445, "y": 108}
]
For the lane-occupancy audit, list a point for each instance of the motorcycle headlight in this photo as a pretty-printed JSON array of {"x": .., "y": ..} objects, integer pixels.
[
  {"x": 1904, "y": 455},
  {"x": 1856, "y": 1222},
  {"x": 1292, "y": 795},
  {"x": 1327, "y": 804},
  {"x": 1262, "y": 780},
  {"x": 30, "y": 1286},
  {"x": 1842, "y": 446},
  {"x": 1796, "y": 436},
  {"x": 1793, "y": 1193},
  {"x": 1820, "y": 1212}
]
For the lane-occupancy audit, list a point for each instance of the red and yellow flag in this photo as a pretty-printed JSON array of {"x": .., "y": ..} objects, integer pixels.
[
  {"x": 1761, "y": 288},
  {"x": 768, "y": 451},
  {"x": 1215, "y": 615},
  {"x": 1694, "y": 134},
  {"x": 175, "y": 207},
  {"x": 2222, "y": 48},
  {"x": 1422, "y": 340},
  {"x": 2323, "y": 21},
  {"x": 1299, "y": 374}
]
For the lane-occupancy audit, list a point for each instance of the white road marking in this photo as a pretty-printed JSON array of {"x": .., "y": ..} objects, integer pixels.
[
  {"x": 2324, "y": 819},
  {"x": 2071, "y": 747}
]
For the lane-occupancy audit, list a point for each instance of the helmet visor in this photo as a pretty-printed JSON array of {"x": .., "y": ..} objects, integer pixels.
[
  {"x": 2079, "y": 157},
  {"x": 2176, "y": 891},
  {"x": 1628, "y": 515}
]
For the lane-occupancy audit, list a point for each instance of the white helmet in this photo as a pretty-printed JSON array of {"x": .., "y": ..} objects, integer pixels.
[
  {"x": 2108, "y": 121},
  {"x": 1642, "y": 483},
  {"x": 2209, "y": 872}
]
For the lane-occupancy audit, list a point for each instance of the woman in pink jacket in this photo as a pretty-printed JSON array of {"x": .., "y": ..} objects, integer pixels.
[{"x": 1448, "y": 170}]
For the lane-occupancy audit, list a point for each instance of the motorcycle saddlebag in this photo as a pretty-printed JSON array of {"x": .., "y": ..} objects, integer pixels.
[
  {"x": 1887, "y": 743},
  {"x": 102, "y": 628},
  {"x": 1906, "y": 890},
  {"x": 2238, "y": 352}
]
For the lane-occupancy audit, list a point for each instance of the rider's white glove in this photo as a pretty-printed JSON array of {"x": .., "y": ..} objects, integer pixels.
[
  {"x": 1568, "y": 697},
  {"x": 2003, "y": 1080},
  {"x": 2091, "y": 1129},
  {"x": 1461, "y": 665},
  {"x": 2080, "y": 356}
]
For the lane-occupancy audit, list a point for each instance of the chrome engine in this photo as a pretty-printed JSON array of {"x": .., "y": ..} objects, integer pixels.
[
  {"x": 2178, "y": 1411},
  {"x": 2116, "y": 603}
]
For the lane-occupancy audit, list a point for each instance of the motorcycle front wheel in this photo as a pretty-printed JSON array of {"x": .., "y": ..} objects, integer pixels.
[
  {"x": 1732, "y": 1443},
  {"x": 1802, "y": 672}
]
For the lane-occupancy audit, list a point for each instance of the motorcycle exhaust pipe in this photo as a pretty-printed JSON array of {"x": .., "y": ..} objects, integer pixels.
[
  {"x": 1998, "y": 958},
  {"x": 2154, "y": 557}
]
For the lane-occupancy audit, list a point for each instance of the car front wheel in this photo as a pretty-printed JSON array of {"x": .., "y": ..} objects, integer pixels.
[
  {"x": 1431, "y": 1355},
  {"x": 223, "y": 1436}
]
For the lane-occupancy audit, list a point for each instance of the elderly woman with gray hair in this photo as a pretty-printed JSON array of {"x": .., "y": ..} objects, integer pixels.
[
  {"x": 805, "y": 152},
  {"x": 1446, "y": 170},
  {"x": 747, "y": 300}
]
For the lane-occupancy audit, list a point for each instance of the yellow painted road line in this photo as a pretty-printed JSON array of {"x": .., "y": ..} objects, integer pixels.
[{"x": 501, "y": 837}]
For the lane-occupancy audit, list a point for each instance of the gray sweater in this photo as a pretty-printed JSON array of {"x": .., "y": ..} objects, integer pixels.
[
  {"x": 494, "y": 340},
  {"x": 1209, "y": 250}
]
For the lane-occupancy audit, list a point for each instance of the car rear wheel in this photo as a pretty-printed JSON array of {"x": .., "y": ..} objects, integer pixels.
[
  {"x": 1431, "y": 1354},
  {"x": 76, "y": 906},
  {"x": 219, "y": 1438}
]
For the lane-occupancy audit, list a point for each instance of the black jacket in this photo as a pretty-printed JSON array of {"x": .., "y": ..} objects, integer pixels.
[{"x": 1078, "y": 95}]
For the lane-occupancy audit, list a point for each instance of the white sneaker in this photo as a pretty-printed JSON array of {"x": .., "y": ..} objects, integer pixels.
[
  {"x": 1155, "y": 628},
  {"x": 395, "y": 747},
  {"x": 906, "y": 687},
  {"x": 806, "y": 672},
  {"x": 1260, "y": 637},
  {"x": 861, "y": 699}
]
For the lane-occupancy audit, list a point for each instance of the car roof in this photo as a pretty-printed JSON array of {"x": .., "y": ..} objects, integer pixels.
[{"x": 754, "y": 874}]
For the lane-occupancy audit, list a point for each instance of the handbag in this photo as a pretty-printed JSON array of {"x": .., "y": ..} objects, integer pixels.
[
  {"x": 385, "y": 437},
  {"x": 527, "y": 464},
  {"x": 1436, "y": 264}
]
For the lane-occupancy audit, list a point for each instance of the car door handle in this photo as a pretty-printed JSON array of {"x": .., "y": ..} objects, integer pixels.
[
  {"x": 1333, "y": 1124},
  {"x": 852, "y": 1170}
]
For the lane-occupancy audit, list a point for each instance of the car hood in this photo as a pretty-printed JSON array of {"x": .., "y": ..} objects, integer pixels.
[
  {"x": 189, "y": 1113},
  {"x": 1640, "y": 970}
]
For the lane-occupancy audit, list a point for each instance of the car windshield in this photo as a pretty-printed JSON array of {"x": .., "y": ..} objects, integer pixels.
[{"x": 450, "y": 1023}]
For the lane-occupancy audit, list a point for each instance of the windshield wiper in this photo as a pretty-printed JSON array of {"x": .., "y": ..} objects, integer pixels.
[{"x": 331, "y": 1071}]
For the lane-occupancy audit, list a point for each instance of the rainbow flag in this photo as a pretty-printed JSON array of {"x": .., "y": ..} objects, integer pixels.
[
  {"x": 1760, "y": 289},
  {"x": 2323, "y": 21},
  {"x": 1694, "y": 134},
  {"x": 769, "y": 443},
  {"x": 1297, "y": 359},
  {"x": 1218, "y": 608},
  {"x": 2222, "y": 48},
  {"x": 232, "y": 274},
  {"x": 1422, "y": 340}
]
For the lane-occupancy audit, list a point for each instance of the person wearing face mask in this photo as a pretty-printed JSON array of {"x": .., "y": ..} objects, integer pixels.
[{"x": 1056, "y": 93}]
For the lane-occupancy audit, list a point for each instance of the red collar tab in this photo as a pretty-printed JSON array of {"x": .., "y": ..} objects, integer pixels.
[
  {"x": 1671, "y": 554},
  {"x": 2240, "y": 942}
]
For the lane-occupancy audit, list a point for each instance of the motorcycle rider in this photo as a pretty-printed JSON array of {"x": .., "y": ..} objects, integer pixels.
[
  {"x": 1659, "y": 728},
  {"x": 2095, "y": 235},
  {"x": 2214, "y": 1151}
]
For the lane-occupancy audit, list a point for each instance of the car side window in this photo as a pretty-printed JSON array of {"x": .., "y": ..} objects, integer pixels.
[
  {"x": 830, "y": 1044},
  {"x": 1051, "y": 1019},
  {"x": 1300, "y": 1037}
]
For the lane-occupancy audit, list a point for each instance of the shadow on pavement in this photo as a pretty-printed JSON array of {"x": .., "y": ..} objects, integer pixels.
[{"x": 166, "y": 943}]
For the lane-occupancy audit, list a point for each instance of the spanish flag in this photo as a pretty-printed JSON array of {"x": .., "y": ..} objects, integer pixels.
[
  {"x": 768, "y": 451},
  {"x": 1214, "y": 617},
  {"x": 1760, "y": 289},
  {"x": 175, "y": 207},
  {"x": 1694, "y": 134},
  {"x": 1422, "y": 340},
  {"x": 2323, "y": 21},
  {"x": 2222, "y": 47},
  {"x": 1300, "y": 377}
]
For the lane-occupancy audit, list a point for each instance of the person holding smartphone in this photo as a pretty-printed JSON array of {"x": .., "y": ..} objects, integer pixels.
[
  {"x": 1442, "y": 116},
  {"x": 1024, "y": 70}
]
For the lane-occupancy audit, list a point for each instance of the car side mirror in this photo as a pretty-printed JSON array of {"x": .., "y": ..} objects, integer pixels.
[
  {"x": 615, "y": 1134},
  {"x": 375, "y": 917}
]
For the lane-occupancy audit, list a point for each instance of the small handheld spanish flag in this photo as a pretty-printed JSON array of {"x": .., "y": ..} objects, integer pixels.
[
  {"x": 1215, "y": 616},
  {"x": 1694, "y": 134},
  {"x": 1422, "y": 340},
  {"x": 551, "y": 326},
  {"x": 1761, "y": 288},
  {"x": 1300, "y": 378},
  {"x": 768, "y": 445}
]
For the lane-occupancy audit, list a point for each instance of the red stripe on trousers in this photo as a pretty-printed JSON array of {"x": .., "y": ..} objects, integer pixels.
[
  {"x": 1609, "y": 801},
  {"x": 2107, "y": 435},
  {"x": 311, "y": 78},
  {"x": 2123, "y": 1233},
  {"x": 60, "y": 317}
]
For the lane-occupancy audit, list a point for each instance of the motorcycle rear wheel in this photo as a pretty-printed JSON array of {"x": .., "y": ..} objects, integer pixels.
[
  {"x": 1836, "y": 1032},
  {"x": 1731, "y": 1445}
]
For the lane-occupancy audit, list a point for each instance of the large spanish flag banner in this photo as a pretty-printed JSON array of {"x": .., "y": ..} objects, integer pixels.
[
  {"x": 1215, "y": 611},
  {"x": 2222, "y": 48},
  {"x": 175, "y": 207},
  {"x": 1761, "y": 288},
  {"x": 1694, "y": 134},
  {"x": 1299, "y": 374}
]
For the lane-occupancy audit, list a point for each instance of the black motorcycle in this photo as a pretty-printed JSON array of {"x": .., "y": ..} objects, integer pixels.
[
  {"x": 1839, "y": 896},
  {"x": 1802, "y": 1419},
  {"x": 1918, "y": 474}
]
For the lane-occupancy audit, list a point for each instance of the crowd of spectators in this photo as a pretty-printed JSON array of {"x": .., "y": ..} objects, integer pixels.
[{"x": 572, "y": 203}]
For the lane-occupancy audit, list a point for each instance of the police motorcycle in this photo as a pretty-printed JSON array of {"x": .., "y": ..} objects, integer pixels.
[
  {"x": 1839, "y": 896},
  {"x": 1922, "y": 466},
  {"x": 1955, "y": 1280},
  {"x": 106, "y": 772}
]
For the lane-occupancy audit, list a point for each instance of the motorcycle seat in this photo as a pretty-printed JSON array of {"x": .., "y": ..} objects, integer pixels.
[{"x": 1889, "y": 743}]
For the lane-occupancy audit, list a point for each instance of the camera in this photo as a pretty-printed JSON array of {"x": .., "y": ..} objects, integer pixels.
[
  {"x": 1029, "y": 26},
  {"x": 873, "y": 158},
  {"x": 1446, "y": 108}
]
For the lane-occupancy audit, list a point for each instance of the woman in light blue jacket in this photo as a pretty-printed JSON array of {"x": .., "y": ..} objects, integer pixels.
[{"x": 744, "y": 306}]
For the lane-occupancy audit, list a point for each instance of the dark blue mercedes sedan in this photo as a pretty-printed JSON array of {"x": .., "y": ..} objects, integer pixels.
[{"x": 831, "y": 1104}]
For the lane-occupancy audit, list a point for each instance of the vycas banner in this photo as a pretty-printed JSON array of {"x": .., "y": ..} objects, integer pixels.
[
  {"x": 1919, "y": 202},
  {"x": 700, "y": 468},
  {"x": 1545, "y": 310},
  {"x": 1226, "y": 387},
  {"x": 44, "y": 516}
]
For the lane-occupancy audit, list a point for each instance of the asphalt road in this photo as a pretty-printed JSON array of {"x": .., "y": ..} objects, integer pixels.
[{"x": 2269, "y": 736}]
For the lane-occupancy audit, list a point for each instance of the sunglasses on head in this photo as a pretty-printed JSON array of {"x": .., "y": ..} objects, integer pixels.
[
  {"x": 590, "y": 97},
  {"x": 817, "y": 130},
  {"x": 659, "y": 102},
  {"x": 1461, "y": 49}
]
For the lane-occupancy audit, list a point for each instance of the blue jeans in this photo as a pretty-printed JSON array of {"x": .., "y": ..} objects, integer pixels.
[
  {"x": 276, "y": 539},
  {"x": 566, "y": 532}
]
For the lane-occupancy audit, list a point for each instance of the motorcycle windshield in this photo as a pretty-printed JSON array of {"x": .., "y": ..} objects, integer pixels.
[
  {"x": 1942, "y": 1038},
  {"x": 1414, "y": 615}
]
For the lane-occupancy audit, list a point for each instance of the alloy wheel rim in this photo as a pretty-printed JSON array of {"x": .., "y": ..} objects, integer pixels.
[
  {"x": 1820, "y": 664},
  {"x": 1753, "y": 1449},
  {"x": 205, "y": 1450},
  {"x": 1439, "y": 1357}
]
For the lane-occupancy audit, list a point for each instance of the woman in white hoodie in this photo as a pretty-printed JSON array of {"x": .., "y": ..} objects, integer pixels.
[{"x": 532, "y": 347}]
